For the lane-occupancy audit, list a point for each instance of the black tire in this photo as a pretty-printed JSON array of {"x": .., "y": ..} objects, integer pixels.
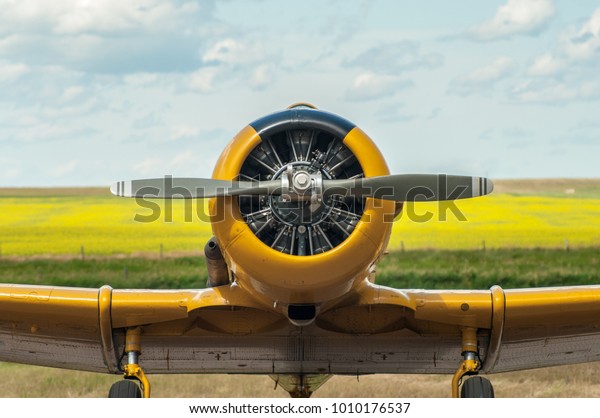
[
  {"x": 477, "y": 387},
  {"x": 125, "y": 389}
]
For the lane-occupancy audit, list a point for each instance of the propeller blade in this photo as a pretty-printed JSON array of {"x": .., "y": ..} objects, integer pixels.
[
  {"x": 192, "y": 188},
  {"x": 411, "y": 187},
  {"x": 397, "y": 187}
]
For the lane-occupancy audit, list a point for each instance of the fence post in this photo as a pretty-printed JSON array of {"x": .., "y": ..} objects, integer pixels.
[
  {"x": 82, "y": 252},
  {"x": 402, "y": 246},
  {"x": 566, "y": 245},
  {"x": 483, "y": 245},
  {"x": 161, "y": 251}
]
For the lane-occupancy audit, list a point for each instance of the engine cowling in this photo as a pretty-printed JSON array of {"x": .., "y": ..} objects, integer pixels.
[{"x": 308, "y": 251}]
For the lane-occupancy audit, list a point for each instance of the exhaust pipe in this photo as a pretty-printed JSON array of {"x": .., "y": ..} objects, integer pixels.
[{"x": 218, "y": 274}]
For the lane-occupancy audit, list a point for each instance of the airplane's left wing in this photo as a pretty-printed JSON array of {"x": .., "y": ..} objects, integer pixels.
[
  {"x": 83, "y": 329},
  {"x": 51, "y": 327},
  {"x": 515, "y": 329}
]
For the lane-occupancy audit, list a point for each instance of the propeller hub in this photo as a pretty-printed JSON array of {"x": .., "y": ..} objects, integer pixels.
[
  {"x": 298, "y": 183},
  {"x": 302, "y": 202},
  {"x": 301, "y": 181}
]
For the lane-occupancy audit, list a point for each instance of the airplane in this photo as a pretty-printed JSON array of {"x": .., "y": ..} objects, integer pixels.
[{"x": 301, "y": 204}]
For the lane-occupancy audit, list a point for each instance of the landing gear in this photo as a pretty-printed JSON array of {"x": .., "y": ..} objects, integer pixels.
[
  {"x": 125, "y": 389},
  {"x": 475, "y": 387},
  {"x": 128, "y": 388}
]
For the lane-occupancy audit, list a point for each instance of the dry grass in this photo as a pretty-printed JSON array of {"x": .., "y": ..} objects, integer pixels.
[
  {"x": 554, "y": 187},
  {"x": 53, "y": 191},
  {"x": 565, "y": 381}
]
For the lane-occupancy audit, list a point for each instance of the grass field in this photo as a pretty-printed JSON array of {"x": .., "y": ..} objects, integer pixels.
[
  {"x": 447, "y": 269},
  {"x": 524, "y": 226}
]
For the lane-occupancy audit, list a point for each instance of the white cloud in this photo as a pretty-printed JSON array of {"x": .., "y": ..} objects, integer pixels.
[
  {"x": 568, "y": 72},
  {"x": 184, "y": 162},
  {"x": 394, "y": 57},
  {"x": 203, "y": 80},
  {"x": 108, "y": 36},
  {"x": 47, "y": 129},
  {"x": 11, "y": 72},
  {"x": 583, "y": 44},
  {"x": 435, "y": 112},
  {"x": 481, "y": 80},
  {"x": 9, "y": 42},
  {"x": 262, "y": 76},
  {"x": 140, "y": 79},
  {"x": 558, "y": 93},
  {"x": 584, "y": 132},
  {"x": 371, "y": 86},
  {"x": 232, "y": 52},
  {"x": 9, "y": 170},
  {"x": 183, "y": 132},
  {"x": 71, "y": 93},
  {"x": 492, "y": 72},
  {"x": 229, "y": 61},
  {"x": 515, "y": 17},
  {"x": 149, "y": 167},
  {"x": 62, "y": 170},
  {"x": 110, "y": 16},
  {"x": 69, "y": 109},
  {"x": 546, "y": 65},
  {"x": 395, "y": 113}
]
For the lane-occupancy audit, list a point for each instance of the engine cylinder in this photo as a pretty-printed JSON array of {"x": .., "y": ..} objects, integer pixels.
[{"x": 300, "y": 227}]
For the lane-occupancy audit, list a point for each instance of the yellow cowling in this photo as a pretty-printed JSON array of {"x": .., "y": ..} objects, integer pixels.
[{"x": 276, "y": 278}]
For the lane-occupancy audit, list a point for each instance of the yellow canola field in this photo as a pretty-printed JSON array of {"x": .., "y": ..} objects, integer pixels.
[
  {"x": 503, "y": 221},
  {"x": 105, "y": 225},
  {"x": 102, "y": 224}
]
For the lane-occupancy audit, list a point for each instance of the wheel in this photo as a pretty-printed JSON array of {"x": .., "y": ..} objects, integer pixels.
[
  {"x": 125, "y": 389},
  {"x": 477, "y": 387}
]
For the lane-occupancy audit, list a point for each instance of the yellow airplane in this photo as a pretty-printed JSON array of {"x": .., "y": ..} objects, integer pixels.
[{"x": 301, "y": 206}]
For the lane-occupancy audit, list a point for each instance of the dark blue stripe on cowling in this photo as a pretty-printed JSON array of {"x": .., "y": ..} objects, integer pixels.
[{"x": 302, "y": 119}]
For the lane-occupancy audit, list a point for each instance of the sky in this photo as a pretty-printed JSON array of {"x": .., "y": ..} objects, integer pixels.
[{"x": 95, "y": 91}]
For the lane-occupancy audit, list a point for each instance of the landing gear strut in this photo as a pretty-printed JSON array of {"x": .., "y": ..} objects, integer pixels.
[
  {"x": 136, "y": 384},
  {"x": 475, "y": 387}
]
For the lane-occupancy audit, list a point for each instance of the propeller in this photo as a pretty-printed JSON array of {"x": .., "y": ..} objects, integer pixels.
[
  {"x": 301, "y": 184},
  {"x": 192, "y": 188}
]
